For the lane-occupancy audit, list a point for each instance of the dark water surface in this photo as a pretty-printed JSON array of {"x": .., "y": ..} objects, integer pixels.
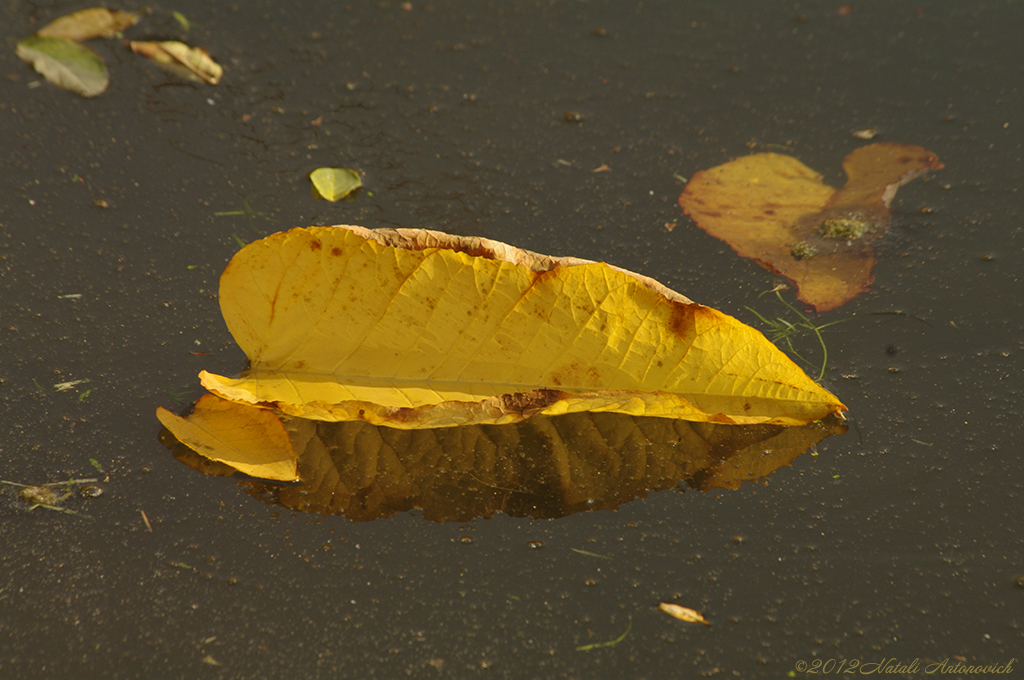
[{"x": 901, "y": 539}]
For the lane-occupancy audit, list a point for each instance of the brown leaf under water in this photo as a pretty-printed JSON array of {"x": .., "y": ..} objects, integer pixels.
[
  {"x": 775, "y": 210},
  {"x": 544, "y": 467}
]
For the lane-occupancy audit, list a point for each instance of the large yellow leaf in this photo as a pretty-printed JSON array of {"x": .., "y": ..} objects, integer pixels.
[{"x": 415, "y": 328}]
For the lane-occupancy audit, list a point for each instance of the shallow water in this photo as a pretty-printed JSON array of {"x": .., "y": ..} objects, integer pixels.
[{"x": 898, "y": 540}]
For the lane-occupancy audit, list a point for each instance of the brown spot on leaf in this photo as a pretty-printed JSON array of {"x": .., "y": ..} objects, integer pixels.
[
  {"x": 681, "y": 320},
  {"x": 474, "y": 250},
  {"x": 315, "y": 244},
  {"x": 336, "y": 251},
  {"x": 526, "y": 404}
]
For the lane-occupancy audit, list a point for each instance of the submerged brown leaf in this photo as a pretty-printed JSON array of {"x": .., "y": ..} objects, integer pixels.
[
  {"x": 544, "y": 467},
  {"x": 775, "y": 210}
]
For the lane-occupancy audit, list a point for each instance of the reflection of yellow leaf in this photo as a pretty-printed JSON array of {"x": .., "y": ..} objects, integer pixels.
[
  {"x": 682, "y": 613},
  {"x": 335, "y": 183},
  {"x": 250, "y": 440},
  {"x": 543, "y": 467},
  {"x": 775, "y": 210},
  {"x": 193, "y": 62},
  {"x": 97, "y": 22},
  {"x": 412, "y": 328}
]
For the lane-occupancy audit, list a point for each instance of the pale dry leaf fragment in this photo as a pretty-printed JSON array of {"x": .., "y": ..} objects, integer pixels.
[
  {"x": 682, "y": 613},
  {"x": 194, "y": 63},
  {"x": 95, "y": 22},
  {"x": 252, "y": 441},
  {"x": 66, "y": 64},
  {"x": 335, "y": 183}
]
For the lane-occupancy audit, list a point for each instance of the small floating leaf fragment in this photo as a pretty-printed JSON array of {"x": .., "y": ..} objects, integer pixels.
[
  {"x": 194, "y": 63},
  {"x": 66, "y": 64},
  {"x": 96, "y": 22},
  {"x": 335, "y": 183},
  {"x": 682, "y": 613}
]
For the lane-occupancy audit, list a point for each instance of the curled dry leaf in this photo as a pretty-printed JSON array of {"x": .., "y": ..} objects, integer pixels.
[
  {"x": 682, "y": 613},
  {"x": 189, "y": 62},
  {"x": 250, "y": 440},
  {"x": 775, "y": 210},
  {"x": 413, "y": 329},
  {"x": 96, "y": 22},
  {"x": 335, "y": 183},
  {"x": 66, "y": 64}
]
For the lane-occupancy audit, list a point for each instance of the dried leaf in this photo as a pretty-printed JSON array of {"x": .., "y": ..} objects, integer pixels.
[
  {"x": 66, "y": 64},
  {"x": 775, "y": 210},
  {"x": 250, "y": 440},
  {"x": 335, "y": 183},
  {"x": 413, "y": 328},
  {"x": 682, "y": 613},
  {"x": 190, "y": 62},
  {"x": 97, "y": 22}
]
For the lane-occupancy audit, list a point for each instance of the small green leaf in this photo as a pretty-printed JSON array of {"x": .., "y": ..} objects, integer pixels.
[
  {"x": 66, "y": 64},
  {"x": 182, "y": 21},
  {"x": 335, "y": 183}
]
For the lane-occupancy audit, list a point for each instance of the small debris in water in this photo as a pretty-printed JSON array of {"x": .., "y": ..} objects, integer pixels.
[
  {"x": 39, "y": 495},
  {"x": 91, "y": 491}
]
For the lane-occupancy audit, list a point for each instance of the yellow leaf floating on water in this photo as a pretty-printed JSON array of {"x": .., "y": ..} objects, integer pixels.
[
  {"x": 250, "y": 440},
  {"x": 335, "y": 183},
  {"x": 413, "y": 329},
  {"x": 190, "y": 62},
  {"x": 682, "y": 613}
]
